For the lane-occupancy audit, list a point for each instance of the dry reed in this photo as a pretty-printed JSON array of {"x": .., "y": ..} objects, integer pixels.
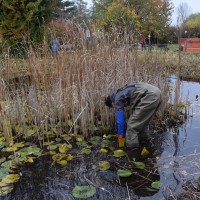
[{"x": 49, "y": 92}]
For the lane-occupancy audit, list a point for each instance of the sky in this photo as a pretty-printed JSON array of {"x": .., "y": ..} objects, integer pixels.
[{"x": 193, "y": 5}]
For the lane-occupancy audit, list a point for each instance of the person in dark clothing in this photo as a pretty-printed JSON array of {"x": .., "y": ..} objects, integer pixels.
[
  {"x": 143, "y": 100},
  {"x": 55, "y": 46}
]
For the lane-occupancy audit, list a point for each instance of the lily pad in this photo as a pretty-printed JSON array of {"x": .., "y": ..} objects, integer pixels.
[
  {"x": 2, "y": 160},
  {"x": 7, "y": 164},
  {"x": 29, "y": 160},
  {"x": 103, "y": 150},
  {"x": 63, "y": 148},
  {"x": 18, "y": 145},
  {"x": 2, "y": 184},
  {"x": 156, "y": 184},
  {"x": 3, "y": 172},
  {"x": 3, "y": 144},
  {"x": 85, "y": 151},
  {"x": 58, "y": 139},
  {"x": 119, "y": 153},
  {"x": 30, "y": 132},
  {"x": 11, "y": 178},
  {"x": 110, "y": 137},
  {"x": 69, "y": 122},
  {"x": 63, "y": 163},
  {"x": 82, "y": 143},
  {"x": 6, "y": 190},
  {"x": 52, "y": 147},
  {"x": 2, "y": 139},
  {"x": 95, "y": 140},
  {"x": 124, "y": 172},
  {"x": 140, "y": 165},
  {"x": 84, "y": 191},
  {"x": 62, "y": 158},
  {"x": 10, "y": 149},
  {"x": 104, "y": 165}
]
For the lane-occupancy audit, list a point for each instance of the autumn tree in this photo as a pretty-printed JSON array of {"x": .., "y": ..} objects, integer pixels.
[
  {"x": 120, "y": 16},
  {"x": 25, "y": 20},
  {"x": 153, "y": 15},
  {"x": 192, "y": 26}
]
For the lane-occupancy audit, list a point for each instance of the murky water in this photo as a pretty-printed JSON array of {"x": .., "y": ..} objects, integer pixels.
[{"x": 174, "y": 160}]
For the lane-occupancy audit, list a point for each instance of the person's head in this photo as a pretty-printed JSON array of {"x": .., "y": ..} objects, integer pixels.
[{"x": 108, "y": 101}]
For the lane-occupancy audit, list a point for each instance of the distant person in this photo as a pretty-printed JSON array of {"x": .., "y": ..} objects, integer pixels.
[
  {"x": 88, "y": 38},
  {"x": 55, "y": 46},
  {"x": 143, "y": 41}
]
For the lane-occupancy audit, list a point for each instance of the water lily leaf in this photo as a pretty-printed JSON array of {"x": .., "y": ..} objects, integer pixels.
[
  {"x": 63, "y": 148},
  {"x": 48, "y": 143},
  {"x": 84, "y": 191},
  {"x": 156, "y": 184},
  {"x": 2, "y": 184},
  {"x": 10, "y": 149},
  {"x": 30, "y": 132},
  {"x": 30, "y": 150},
  {"x": 58, "y": 139},
  {"x": 110, "y": 137},
  {"x": 104, "y": 165},
  {"x": 3, "y": 172},
  {"x": 54, "y": 130},
  {"x": 2, "y": 160},
  {"x": 52, "y": 153},
  {"x": 62, "y": 157},
  {"x": 67, "y": 138},
  {"x": 144, "y": 152},
  {"x": 69, "y": 157},
  {"x": 2, "y": 139},
  {"x": 29, "y": 160},
  {"x": 106, "y": 142},
  {"x": 85, "y": 151},
  {"x": 82, "y": 143},
  {"x": 3, "y": 144},
  {"x": 52, "y": 147},
  {"x": 63, "y": 163},
  {"x": 19, "y": 144},
  {"x": 7, "y": 164},
  {"x": 11, "y": 178},
  {"x": 6, "y": 190},
  {"x": 140, "y": 165},
  {"x": 79, "y": 139},
  {"x": 95, "y": 140},
  {"x": 119, "y": 153},
  {"x": 19, "y": 129},
  {"x": 124, "y": 172},
  {"x": 69, "y": 122},
  {"x": 102, "y": 150}
]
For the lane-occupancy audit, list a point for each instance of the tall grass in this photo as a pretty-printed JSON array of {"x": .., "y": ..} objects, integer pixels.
[{"x": 66, "y": 93}]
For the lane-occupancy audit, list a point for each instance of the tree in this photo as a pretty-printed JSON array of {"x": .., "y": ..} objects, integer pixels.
[
  {"x": 183, "y": 11},
  {"x": 25, "y": 20},
  {"x": 80, "y": 13},
  {"x": 153, "y": 15},
  {"x": 120, "y": 17},
  {"x": 192, "y": 25}
]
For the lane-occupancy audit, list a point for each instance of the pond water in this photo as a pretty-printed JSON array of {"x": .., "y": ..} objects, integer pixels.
[{"x": 174, "y": 160}]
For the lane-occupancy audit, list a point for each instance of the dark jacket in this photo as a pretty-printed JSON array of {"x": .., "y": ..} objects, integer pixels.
[{"x": 121, "y": 98}]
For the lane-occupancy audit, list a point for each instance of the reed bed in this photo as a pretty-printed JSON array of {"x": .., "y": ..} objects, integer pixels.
[{"x": 65, "y": 93}]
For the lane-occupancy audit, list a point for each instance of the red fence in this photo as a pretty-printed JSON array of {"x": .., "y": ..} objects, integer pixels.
[{"x": 190, "y": 44}]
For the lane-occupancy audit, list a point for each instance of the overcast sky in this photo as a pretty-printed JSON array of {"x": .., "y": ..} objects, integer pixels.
[{"x": 194, "y": 6}]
